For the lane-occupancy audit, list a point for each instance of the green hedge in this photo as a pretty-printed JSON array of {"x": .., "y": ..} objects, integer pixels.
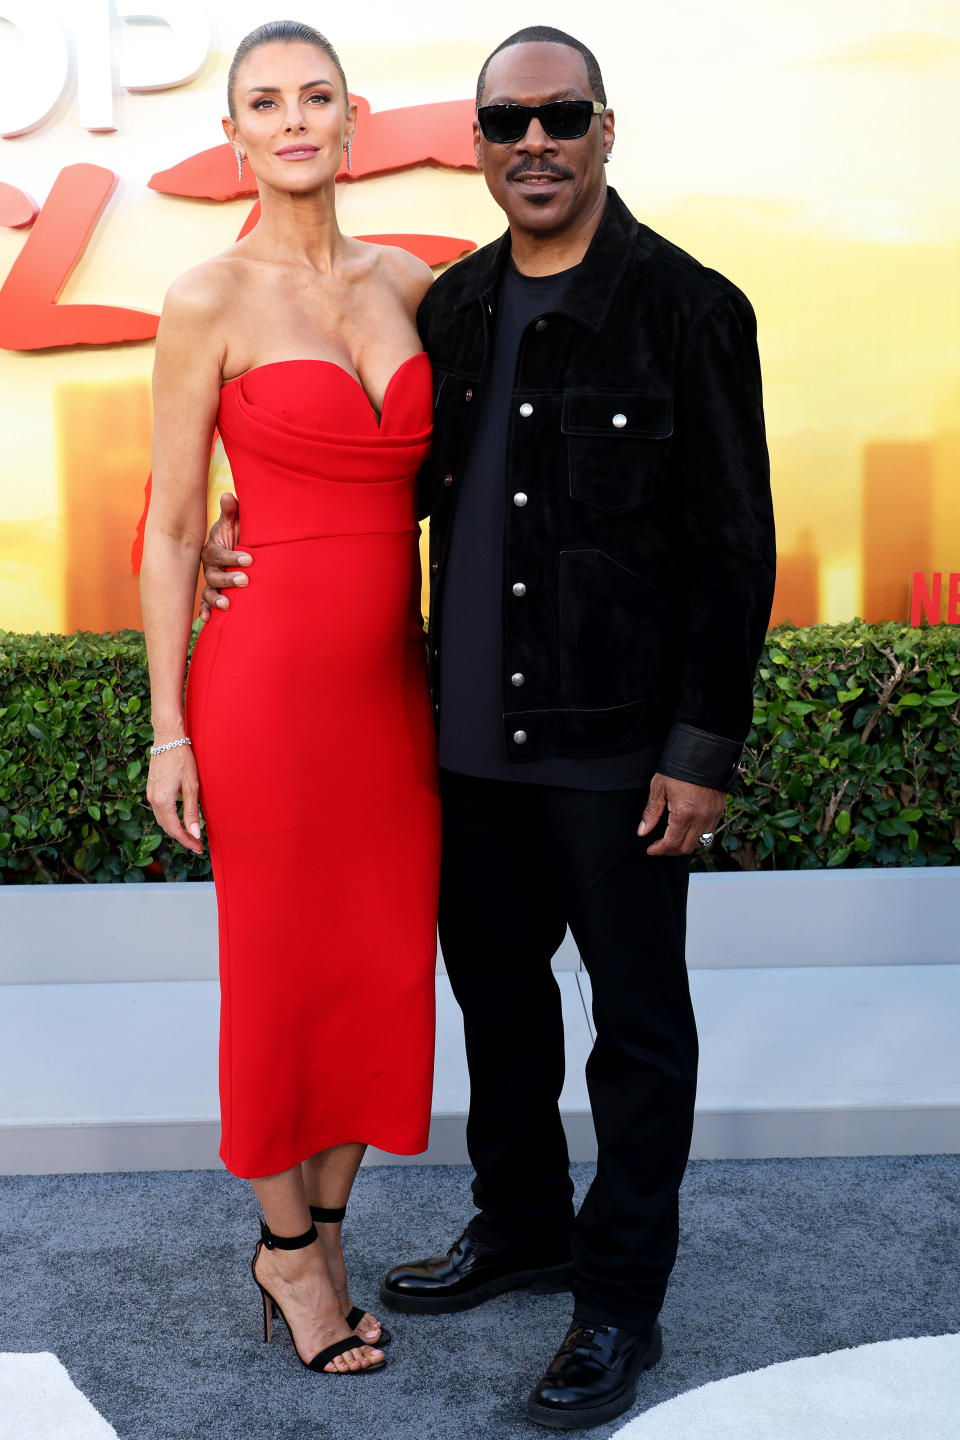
[
  {"x": 853, "y": 758},
  {"x": 74, "y": 735}
]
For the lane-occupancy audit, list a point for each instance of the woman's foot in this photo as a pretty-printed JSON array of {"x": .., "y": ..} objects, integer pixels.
[
  {"x": 302, "y": 1288},
  {"x": 369, "y": 1327}
]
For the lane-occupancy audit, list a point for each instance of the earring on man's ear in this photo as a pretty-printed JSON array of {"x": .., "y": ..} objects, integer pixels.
[
  {"x": 239, "y": 167},
  {"x": 348, "y": 152}
]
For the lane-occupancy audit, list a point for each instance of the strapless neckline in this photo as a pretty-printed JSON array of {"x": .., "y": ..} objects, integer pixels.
[{"x": 332, "y": 364}]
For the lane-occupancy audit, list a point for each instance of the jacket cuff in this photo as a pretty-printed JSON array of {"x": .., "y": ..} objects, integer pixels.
[{"x": 700, "y": 757}]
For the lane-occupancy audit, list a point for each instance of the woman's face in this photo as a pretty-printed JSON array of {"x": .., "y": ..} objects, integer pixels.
[{"x": 292, "y": 117}]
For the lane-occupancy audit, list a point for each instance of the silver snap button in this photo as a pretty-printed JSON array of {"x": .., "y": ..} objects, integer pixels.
[
  {"x": 519, "y": 589},
  {"x": 448, "y": 480},
  {"x": 619, "y": 420},
  {"x": 526, "y": 409},
  {"x": 541, "y": 325},
  {"x": 519, "y": 737},
  {"x": 518, "y": 679},
  {"x": 468, "y": 395},
  {"x": 520, "y": 499}
]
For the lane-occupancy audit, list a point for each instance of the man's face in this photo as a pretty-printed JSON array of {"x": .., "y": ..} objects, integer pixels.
[{"x": 545, "y": 186}]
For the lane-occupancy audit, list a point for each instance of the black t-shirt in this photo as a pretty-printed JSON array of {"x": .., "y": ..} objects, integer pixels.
[{"x": 471, "y": 616}]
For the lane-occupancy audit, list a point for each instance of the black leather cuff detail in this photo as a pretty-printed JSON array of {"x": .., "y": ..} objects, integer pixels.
[{"x": 700, "y": 757}]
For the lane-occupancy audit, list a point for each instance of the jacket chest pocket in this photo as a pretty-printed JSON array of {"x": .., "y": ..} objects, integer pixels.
[{"x": 616, "y": 446}]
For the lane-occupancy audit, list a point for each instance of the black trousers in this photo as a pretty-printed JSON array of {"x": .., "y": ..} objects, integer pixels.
[{"x": 520, "y": 863}]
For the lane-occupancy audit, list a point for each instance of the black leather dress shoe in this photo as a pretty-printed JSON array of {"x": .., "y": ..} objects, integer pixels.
[
  {"x": 593, "y": 1376},
  {"x": 469, "y": 1273}
]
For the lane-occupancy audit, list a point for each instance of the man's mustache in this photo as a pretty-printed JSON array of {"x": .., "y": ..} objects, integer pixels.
[{"x": 542, "y": 167}]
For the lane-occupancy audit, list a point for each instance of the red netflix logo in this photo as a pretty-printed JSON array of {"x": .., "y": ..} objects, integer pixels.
[{"x": 926, "y": 601}]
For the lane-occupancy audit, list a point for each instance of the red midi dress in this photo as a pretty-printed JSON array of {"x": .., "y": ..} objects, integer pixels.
[{"x": 308, "y": 708}]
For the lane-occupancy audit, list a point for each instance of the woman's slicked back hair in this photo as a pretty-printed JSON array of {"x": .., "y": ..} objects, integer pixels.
[{"x": 279, "y": 32}]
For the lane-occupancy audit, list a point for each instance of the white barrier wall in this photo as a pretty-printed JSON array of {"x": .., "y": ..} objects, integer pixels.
[{"x": 69, "y": 933}]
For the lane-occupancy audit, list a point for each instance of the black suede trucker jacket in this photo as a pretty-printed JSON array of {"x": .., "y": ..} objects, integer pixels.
[{"x": 639, "y": 542}]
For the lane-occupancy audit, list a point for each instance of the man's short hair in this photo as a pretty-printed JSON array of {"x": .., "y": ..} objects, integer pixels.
[{"x": 534, "y": 34}]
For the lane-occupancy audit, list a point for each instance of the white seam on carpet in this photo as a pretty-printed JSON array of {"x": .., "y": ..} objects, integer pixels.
[
  {"x": 39, "y": 1401},
  {"x": 893, "y": 1390}
]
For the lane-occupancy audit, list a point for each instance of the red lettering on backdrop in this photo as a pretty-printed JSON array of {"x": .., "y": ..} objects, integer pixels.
[
  {"x": 391, "y": 140},
  {"x": 210, "y": 175},
  {"x": 431, "y": 249},
  {"x": 953, "y": 600},
  {"x": 136, "y": 549},
  {"x": 30, "y": 318},
  {"x": 924, "y": 603},
  {"x": 386, "y": 141},
  {"x": 16, "y": 208}
]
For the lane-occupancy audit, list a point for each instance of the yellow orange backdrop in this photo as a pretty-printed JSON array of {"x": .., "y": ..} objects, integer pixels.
[{"x": 807, "y": 151}]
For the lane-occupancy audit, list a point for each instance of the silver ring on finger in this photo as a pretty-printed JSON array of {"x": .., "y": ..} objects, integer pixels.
[{"x": 707, "y": 839}]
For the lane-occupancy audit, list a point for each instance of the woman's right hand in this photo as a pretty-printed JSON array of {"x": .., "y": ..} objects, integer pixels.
[{"x": 172, "y": 775}]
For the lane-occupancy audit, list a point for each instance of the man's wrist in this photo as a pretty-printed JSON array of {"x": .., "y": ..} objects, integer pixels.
[{"x": 700, "y": 757}]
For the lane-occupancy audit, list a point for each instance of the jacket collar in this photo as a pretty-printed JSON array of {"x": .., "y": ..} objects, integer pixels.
[{"x": 591, "y": 290}]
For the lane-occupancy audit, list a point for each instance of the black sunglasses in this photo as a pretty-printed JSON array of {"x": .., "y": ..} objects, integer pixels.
[{"x": 561, "y": 119}]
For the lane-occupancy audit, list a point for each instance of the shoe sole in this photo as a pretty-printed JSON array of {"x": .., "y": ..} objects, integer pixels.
[
  {"x": 585, "y": 1419},
  {"x": 552, "y": 1281}
]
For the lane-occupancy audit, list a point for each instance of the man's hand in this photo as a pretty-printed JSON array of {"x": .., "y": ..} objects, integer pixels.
[
  {"x": 692, "y": 811},
  {"x": 219, "y": 552}
]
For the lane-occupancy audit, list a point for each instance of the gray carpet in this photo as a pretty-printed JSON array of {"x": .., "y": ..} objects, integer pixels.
[{"x": 140, "y": 1284}]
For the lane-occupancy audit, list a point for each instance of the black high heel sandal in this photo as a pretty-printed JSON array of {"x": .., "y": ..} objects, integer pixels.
[
  {"x": 334, "y": 1217},
  {"x": 271, "y": 1309}
]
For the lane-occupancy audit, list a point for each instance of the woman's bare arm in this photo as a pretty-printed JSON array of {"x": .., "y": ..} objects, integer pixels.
[{"x": 186, "y": 390}]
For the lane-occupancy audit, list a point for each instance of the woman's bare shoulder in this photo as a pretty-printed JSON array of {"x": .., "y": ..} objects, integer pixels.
[
  {"x": 199, "y": 312},
  {"x": 405, "y": 272},
  {"x": 203, "y": 291}
]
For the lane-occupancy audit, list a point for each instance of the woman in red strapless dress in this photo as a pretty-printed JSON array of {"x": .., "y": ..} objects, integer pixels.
[
  {"x": 314, "y": 741},
  {"x": 308, "y": 738}
]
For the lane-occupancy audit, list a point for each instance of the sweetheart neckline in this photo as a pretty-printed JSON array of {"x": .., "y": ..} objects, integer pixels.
[{"x": 315, "y": 360}]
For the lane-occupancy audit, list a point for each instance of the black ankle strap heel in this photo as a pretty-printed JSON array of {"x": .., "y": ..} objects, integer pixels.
[
  {"x": 326, "y": 1216},
  {"x": 271, "y": 1310},
  {"x": 286, "y": 1242}
]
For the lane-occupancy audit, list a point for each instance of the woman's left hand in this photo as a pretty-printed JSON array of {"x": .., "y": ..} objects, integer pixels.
[{"x": 172, "y": 774}]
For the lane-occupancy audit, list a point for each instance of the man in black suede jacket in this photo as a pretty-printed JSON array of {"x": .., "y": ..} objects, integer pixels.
[{"x": 602, "y": 556}]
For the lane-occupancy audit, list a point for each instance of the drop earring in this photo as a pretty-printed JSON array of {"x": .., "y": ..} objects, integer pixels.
[
  {"x": 348, "y": 152},
  {"x": 239, "y": 167}
]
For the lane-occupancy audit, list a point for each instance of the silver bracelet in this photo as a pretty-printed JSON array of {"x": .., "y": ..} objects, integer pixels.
[{"x": 171, "y": 745}]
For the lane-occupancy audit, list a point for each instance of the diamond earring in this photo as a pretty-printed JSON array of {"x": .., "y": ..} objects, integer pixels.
[
  {"x": 348, "y": 153},
  {"x": 239, "y": 167}
]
